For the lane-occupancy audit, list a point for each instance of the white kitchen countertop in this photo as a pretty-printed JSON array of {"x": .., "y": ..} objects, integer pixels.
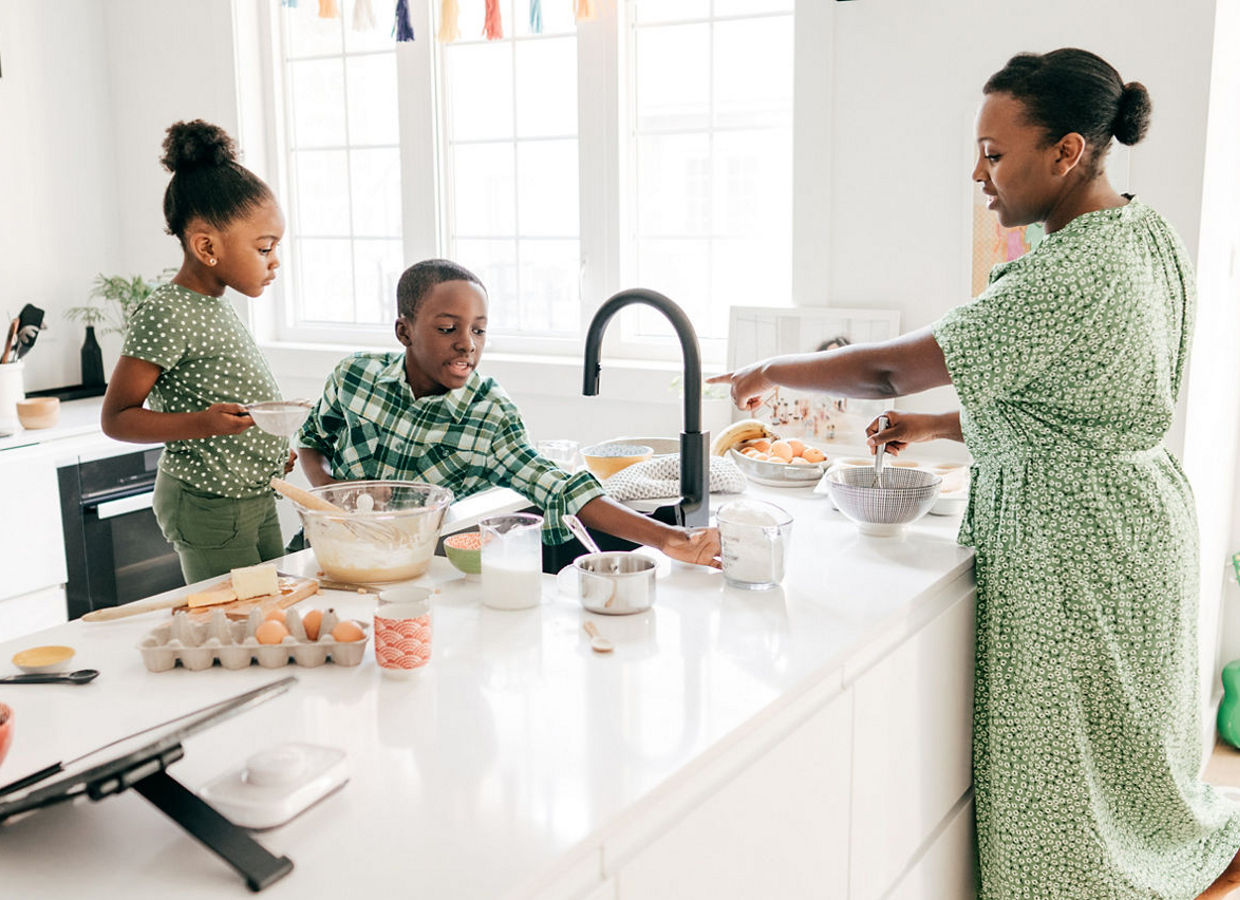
[
  {"x": 76, "y": 436},
  {"x": 509, "y": 759}
]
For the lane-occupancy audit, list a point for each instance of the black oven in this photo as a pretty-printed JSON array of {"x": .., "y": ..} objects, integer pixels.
[{"x": 114, "y": 550}]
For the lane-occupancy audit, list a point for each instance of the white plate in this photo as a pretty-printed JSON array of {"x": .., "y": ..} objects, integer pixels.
[{"x": 950, "y": 504}]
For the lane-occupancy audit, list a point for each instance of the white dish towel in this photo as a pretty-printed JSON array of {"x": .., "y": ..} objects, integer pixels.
[{"x": 660, "y": 477}]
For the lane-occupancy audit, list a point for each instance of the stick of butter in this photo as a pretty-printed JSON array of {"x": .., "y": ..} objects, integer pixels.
[
  {"x": 212, "y": 597},
  {"x": 256, "y": 581}
]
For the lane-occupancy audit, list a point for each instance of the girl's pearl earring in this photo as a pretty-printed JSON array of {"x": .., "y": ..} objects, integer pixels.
[{"x": 211, "y": 261}]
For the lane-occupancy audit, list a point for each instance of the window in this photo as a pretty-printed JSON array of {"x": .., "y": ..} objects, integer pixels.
[
  {"x": 711, "y": 142},
  {"x": 510, "y": 157},
  {"x": 651, "y": 147},
  {"x": 341, "y": 165}
]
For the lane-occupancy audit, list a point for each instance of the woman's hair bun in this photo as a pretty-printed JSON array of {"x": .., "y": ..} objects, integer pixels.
[
  {"x": 1133, "y": 119},
  {"x": 190, "y": 145}
]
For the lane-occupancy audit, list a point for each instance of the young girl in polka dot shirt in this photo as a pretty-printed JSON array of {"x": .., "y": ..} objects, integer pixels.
[{"x": 188, "y": 364}]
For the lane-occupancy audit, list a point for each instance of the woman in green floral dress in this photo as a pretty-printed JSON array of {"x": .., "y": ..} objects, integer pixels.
[{"x": 1086, "y": 736}]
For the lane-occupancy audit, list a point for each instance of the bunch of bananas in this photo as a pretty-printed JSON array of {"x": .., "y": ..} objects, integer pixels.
[{"x": 738, "y": 433}]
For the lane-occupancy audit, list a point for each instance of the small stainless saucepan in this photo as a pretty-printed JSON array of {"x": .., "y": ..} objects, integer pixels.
[{"x": 615, "y": 583}]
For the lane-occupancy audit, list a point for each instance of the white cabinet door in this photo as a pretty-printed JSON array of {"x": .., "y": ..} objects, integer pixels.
[
  {"x": 32, "y": 545},
  {"x": 779, "y": 829},
  {"x": 912, "y": 755},
  {"x": 945, "y": 871}
]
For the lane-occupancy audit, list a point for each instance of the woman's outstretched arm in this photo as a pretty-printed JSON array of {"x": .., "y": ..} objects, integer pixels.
[{"x": 908, "y": 364}]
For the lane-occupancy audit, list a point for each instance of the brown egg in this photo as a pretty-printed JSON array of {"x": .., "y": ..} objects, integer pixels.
[
  {"x": 271, "y": 632},
  {"x": 762, "y": 445},
  {"x": 275, "y": 615},
  {"x": 798, "y": 449},
  {"x": 749, "y": 451},
  {"x": 347, "y": 631},
  {"x": 814, "y": 455},
  {"x": 313, "y": 619},
  {"x": 782, "y": 449}
]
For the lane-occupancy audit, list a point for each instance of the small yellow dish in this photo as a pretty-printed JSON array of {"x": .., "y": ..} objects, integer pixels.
[
  {"x": 42, "y": 660},
  {"x": 605, "y": 460}
]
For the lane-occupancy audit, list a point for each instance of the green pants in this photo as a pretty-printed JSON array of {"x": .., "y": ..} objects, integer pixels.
[{"x": 213, "y": 534}]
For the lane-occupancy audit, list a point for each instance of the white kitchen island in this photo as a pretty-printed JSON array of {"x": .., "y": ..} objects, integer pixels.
[{"x": 809, "y": 741}]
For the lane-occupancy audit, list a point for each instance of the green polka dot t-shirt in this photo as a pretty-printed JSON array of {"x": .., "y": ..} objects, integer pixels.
[{"x": 207, "y": 356}]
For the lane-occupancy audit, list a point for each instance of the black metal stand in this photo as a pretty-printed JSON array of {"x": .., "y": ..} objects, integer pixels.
[
  {"x": 149, "y": 777},
  {"x": 232, "y": 844}
]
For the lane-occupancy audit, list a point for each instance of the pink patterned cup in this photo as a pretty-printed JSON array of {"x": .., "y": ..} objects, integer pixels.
[{"x": 402, "y": 637}]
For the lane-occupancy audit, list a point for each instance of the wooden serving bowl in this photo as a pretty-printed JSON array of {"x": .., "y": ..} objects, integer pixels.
[{"x": 38, "y": 412}]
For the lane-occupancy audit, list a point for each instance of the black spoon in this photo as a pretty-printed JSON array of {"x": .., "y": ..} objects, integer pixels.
[{"x": 81, "y": 676}]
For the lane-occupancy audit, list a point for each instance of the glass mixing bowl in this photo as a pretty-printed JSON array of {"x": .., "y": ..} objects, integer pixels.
[{"x": 386, "y": 530}]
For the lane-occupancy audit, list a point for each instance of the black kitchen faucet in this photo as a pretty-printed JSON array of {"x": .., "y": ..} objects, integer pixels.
[{"x": 694, "y": 506}]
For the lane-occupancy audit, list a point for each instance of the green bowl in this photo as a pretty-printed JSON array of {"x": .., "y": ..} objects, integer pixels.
[{"x": 464, "y": 550}]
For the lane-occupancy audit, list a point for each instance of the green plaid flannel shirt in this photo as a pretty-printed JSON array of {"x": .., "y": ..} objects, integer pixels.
[{"x": 369, "y": 425}]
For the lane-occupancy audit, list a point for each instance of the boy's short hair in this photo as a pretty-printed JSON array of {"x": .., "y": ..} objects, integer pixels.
[{"x": 418, "y": 279}]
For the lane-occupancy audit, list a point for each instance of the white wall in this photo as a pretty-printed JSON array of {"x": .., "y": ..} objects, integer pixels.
[
  {"x": 58, "y": 196},
  {"x": 1214, "y": 390},
  {"x": 87, "y": 91}
]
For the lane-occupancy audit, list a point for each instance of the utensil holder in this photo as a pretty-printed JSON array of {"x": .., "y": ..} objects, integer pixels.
[{"x": 11, "y": 390}]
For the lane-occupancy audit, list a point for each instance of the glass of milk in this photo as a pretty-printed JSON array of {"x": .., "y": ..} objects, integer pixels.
[
  {"x": 511, "y": 561},
  {"x": 754, "y": 539}
]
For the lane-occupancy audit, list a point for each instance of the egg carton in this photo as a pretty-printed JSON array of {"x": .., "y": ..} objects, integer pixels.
[{"x": 197, "y": 645}]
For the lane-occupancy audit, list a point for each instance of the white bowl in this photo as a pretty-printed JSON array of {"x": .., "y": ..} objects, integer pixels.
[{"x": 906, "y": 495}]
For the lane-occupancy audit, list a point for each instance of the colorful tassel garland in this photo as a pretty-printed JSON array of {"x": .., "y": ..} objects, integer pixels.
[
  {"x": 364, "y": 15},
  {"x": 493, "y": 27},
  {"x": 328, "y": 9},
  {"x": 404, "y": 28},
  {"x": 449, "y": 27},
  {"x": 535, "y": 16},
  {"x": 292, "y": 4},
  {"x": 584, "y": 10}
]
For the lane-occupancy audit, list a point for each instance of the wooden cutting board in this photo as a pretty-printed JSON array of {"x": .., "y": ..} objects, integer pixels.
[{"x": 292, "y": 590}]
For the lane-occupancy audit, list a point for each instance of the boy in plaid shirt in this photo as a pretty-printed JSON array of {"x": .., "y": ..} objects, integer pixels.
[{"x": 427, "y": 415}]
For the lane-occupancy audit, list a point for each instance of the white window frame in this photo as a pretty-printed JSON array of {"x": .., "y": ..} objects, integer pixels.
[{"x": 606, "y": 175}]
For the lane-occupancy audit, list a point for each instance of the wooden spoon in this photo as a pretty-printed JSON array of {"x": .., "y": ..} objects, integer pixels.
[{"x": 598, "y": 643}]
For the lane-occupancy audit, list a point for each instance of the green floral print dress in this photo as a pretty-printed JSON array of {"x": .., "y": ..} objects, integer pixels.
[{"x": 1086, "y": 737}]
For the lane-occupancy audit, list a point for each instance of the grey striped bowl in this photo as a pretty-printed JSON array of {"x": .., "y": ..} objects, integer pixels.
[{"x": 906, "y": 496}]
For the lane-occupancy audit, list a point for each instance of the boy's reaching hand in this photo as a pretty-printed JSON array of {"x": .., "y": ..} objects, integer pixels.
[{"x": 699, "y": 546}]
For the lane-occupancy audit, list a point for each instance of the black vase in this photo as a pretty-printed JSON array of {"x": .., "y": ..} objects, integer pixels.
[{"x": 92, "y": 359}]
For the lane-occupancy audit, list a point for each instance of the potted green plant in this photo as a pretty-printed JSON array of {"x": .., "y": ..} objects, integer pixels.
[{"x": 112, "y": 299}]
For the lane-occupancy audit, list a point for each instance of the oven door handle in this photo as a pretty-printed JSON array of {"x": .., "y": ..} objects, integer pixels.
[{"x": 111, "y": 508}]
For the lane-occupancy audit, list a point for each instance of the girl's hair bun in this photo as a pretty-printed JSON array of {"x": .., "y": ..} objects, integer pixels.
[
  {"x": 1132, "y": 120},
  {"x": 190, "y": 145}
]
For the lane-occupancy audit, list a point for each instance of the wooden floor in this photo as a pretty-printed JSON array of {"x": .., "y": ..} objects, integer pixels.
[{"x": 1223, "y": 769}]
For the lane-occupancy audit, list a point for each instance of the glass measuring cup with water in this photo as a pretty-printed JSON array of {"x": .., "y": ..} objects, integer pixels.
[{"x": 511, "y": 560}]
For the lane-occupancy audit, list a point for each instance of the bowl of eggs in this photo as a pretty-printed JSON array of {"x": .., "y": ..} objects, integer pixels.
[{"x": 782, "y": 463}]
